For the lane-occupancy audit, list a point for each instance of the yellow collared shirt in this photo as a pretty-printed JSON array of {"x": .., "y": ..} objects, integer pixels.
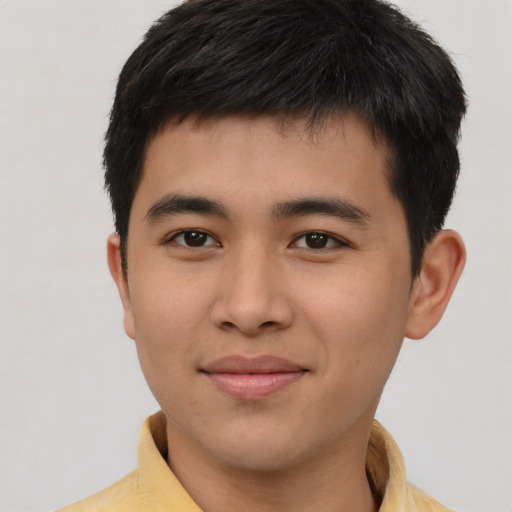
[{"x": 152, "y": 487}]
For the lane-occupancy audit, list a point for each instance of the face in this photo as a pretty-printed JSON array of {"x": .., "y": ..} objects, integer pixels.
[{"x": 268, "y": 286}]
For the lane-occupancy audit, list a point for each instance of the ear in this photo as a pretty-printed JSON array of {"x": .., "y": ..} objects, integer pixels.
[
  {"x": 116, "y": 271},
  {"x": 441, "y": 268}
]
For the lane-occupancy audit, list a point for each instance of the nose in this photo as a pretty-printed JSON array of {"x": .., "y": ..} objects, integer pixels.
[{"x": 252, "y": 296}]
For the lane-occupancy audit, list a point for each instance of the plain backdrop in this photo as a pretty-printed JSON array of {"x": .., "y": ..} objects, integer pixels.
[{"x": 72, "y": 397}]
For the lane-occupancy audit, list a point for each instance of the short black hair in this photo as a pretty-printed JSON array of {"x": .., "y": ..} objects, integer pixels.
[{"x": 309, "y": 58}]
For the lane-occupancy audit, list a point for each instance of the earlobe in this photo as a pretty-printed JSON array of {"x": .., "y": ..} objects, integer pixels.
[
  {"x": 442, "y": 266},
  {"x": 115, "y": 266}
]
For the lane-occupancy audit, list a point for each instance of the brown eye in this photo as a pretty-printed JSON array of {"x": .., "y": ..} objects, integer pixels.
[
  {"x": 194, "y": 238},
  {"x": 316, "y": 240}
]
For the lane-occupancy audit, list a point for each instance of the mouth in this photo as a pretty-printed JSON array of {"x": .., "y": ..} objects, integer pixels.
[{"x": 252, "y": 378}]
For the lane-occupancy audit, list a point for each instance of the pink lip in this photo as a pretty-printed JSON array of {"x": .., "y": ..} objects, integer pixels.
[{"x": 252, "y": 378}]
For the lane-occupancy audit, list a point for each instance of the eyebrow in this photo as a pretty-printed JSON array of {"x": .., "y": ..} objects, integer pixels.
[
  {"x": 329, "y": 206},
  {"x": 174, "y": 204}
]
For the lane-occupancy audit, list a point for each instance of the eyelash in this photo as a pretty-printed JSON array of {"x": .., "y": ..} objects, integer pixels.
[
  {"x": 184, "y": 233},
  {"x": 331, "y": 241}
]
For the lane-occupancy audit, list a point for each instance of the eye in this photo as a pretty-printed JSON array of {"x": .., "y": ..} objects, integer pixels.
[
  {"x": 318, "y": 240},
  {"x": 193, "y": 238}
]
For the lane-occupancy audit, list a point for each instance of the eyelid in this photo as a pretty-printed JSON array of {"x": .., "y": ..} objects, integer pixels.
[
  {"x": 340, "y": 242},
  {"x": 171, "y": 238}
]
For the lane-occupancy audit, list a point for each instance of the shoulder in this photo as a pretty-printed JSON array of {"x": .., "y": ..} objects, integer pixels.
[{"x": 120, "y": 496}]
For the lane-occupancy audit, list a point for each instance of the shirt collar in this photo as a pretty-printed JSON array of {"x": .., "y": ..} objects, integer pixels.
[
  {"x": 384, "y": 466},
  {"x": 154, "y": 475}
]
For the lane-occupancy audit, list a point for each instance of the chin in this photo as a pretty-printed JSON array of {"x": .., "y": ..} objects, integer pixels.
[
  {"x": 260, "y": 459},
  {"x": 261, "y": 451}
]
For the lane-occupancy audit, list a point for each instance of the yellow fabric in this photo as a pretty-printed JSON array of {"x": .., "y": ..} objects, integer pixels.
[{"x": 152, "y": 487}]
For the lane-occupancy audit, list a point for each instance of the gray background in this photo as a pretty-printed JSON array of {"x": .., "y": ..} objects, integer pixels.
[{"x": 72, "y": 397}]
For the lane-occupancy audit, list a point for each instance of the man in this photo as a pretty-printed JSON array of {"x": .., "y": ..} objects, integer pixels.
[{"x": 279, "y": 171}]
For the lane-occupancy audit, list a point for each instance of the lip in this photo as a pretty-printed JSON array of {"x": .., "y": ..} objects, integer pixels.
[{"x": 252, "y": 378}]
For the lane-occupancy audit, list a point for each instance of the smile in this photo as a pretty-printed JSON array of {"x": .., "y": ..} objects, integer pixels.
[{"x": 252, "y": 379}]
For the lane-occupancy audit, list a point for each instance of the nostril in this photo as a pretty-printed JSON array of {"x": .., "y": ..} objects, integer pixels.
[
  {"x": 251, "y": 314},
  {"x": 250, "y": 330},
  {"x": 228, "y": 325}
]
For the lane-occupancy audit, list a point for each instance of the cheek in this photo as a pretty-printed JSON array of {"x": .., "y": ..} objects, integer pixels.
[
  {"x": 360, "y": 320},
  {"x": 166, "y": 302},
  {"x": 168, "y": 315}
]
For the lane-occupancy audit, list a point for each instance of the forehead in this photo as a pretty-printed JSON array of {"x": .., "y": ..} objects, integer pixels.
[
  {"x": 288, "y": 146},
  {"x": 251, "y": 164}
]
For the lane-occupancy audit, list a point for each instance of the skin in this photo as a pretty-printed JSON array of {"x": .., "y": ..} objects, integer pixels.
[{"x": 330, "y": 293}]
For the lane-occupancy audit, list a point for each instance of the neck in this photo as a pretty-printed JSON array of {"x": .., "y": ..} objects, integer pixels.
[{"x": 333, "y": 481}]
